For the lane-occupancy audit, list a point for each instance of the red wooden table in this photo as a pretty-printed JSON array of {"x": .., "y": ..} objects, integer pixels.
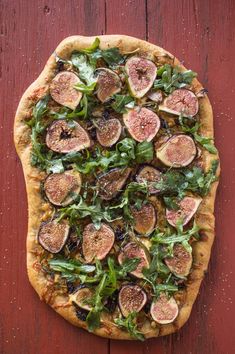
[{"x": 201, "y": 34}]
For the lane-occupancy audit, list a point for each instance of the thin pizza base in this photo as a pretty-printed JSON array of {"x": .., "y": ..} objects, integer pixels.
[{"x": 33, "y": 177}]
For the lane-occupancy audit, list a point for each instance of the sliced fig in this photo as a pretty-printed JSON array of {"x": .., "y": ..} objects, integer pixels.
[
  {"x": 62, "y": 138},
  {"x": 156, "y": 96},
  {"x": 96, "y": 244},
  {"x": 52, "y": 235},
  {"x": 62, "y": 89},
  {"x": 178, "y": 151},
  {"x": 131, "y": 298},
  {"x": 144, "y": 219},
  {"x": 181, "y": 262},
  {"x": 62, "y": 188},
  {"x": 111, "y": 183},
  {"x": 82, "y": 297},
  {"x": 141, "y": 75},
  {"x": 142, "y": 123},
  {"x": 187, "y": 208},
  {"x": 164, "y": 310},
  {"x": 135, "y": 250},
  {"x": 108, "y": 84},
  {"x": 150, "y": 175},
  {"x": 108, "y": 131},
  {"x": 181, "y": 101}
]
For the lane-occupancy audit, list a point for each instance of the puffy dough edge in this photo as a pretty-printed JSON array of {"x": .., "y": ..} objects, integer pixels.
[{"x": 205, "y": 217}]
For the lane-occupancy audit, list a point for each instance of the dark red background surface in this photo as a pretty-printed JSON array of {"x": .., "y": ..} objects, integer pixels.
[{"x": 201, "y": 34}]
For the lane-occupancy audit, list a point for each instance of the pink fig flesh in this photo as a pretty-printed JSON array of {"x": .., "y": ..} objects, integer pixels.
[
  {"x": 97, "y": 243},
  {"x": 141, "y": 75},
  {"x": 82, "y": 296},
  {"x": 164, "y": 310},
  {"x": 142, "y": 124},
  {"x": 52, "y": 235},
  {"x": 178, "y": 151},
  {"x": 150, "y": 175},
  {"x": 111, "y": 183},
  {"x": 108, "y": 131},
  {"x": 144, "y": 219},
  {"x": 135, "y": 250},
  {"x": 62, "y": 89},
  {"x": 62, "y": 138},
  {"x": 108, "y": 84},
  {"x": 181, "y": 101},
  {"x": 181, "y": 262},
  {"x": 131, "y": 298},
  {"x": 187, "y": 208},
  {"x": 62, "y": 188}
]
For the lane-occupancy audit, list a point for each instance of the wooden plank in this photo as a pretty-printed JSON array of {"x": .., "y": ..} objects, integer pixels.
[
  {"x": 30, "y": 31},
  {"x": 201, "y": 34}
]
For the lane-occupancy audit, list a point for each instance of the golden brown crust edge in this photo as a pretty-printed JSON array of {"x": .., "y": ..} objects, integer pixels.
[{"x": 205, "y": 217}]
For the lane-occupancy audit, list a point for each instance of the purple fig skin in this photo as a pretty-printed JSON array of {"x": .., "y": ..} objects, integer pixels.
[
  {"x": 62, "y": 89},
  {"x": 108, "y": 131},
  {"x": 181, "y": 262},
  {"x": 81, "y": 296},
  {"x": 144, "y": 219},
  {"x": 62, "y": 138},
  {"x": 164, "y": 310},
  {"x": 97, "y": 243},
  {"x": 142, "y": 124},
  {"x": 108, "y": 84},
  {"x": 187, "y": 208},
  {"x": 62, "y": 188},
  {"x": 134, "y": 250},
  {"x": 131, "y": 298},
  {"x": 178, "y": 151},
  {"x": 181, "y": 101},
  {"x": 151, "y": 175},
  {"x": 141, "y": 75},
  {"x": 52, "y": 235},
  {"x": 112, "y": 182}
]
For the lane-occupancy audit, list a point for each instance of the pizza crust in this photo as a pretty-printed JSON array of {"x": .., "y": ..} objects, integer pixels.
[{"x": 33, "y": 177}]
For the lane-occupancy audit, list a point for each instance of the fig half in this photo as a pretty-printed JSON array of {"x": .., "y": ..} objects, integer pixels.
[
  {"x": 62, "y": 89},
  {"x": 187, "y": 208},
  {"x": 62, "y": 138},
  {"x": 142, "y": 123},
  {"x": 141, "y": 75},
  {"x": 52, "y": 235},
  {"x": 108, "y": 131},
  {"x": 131, "y": 298},
  {"x": 150, "y": 175},
  {"x": 108, "y": 84},
  {"x": 111, "y": 183},
  {"x": 82, "y": 297},
  {"x": 135, "y": 250},
  {"x": 181, "y": 262},
  {"x": 62, "y": 188},
  {"x": 178, "y": 151},
  {"x": 96, "y": 244},
  {"x": 144, "y": 218},
  {"x": 181, "y": 101},
  {"x": 164, "y": 310}
]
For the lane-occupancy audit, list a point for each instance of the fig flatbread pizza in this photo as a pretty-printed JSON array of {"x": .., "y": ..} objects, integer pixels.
[{"x": 116, "y": 142}]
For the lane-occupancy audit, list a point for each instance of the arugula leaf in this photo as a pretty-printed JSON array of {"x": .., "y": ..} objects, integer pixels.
[
  {"x": 170, "y": 203},
  {"x": 111, "y": 56},
  {"x": 86, "y": 71},
  {"x": 93, "y": 47},
  {"x": 81, "y": 209},
  {"x": 87, "y": 89},
  {"x": 206, "y": 142},
  {"x": 120, "y": 102},
  {"x": 170, "y": 78},
  {"x": 144, "y": 152},
  {"x": 128, "y": 266},
  {"x": 129, "y": 323}
]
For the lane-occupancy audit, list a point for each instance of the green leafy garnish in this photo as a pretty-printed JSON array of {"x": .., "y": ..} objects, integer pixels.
[
  {"x": 120, "y": 102},
  {"x": 170, "y": 78},
  {"x": 93, "y": 47},
  {"x": 86, "y": 71},
  {"x": 204, "y": 141},
  {"x": 87, "y": 89},
  {"x": 129, "y": 323},
  {"x": 170, "y": 203},
  {"x": 70, "y": 268}
]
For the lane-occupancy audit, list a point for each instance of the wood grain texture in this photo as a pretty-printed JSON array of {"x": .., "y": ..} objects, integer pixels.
[{"x": 200, "y": 33}]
